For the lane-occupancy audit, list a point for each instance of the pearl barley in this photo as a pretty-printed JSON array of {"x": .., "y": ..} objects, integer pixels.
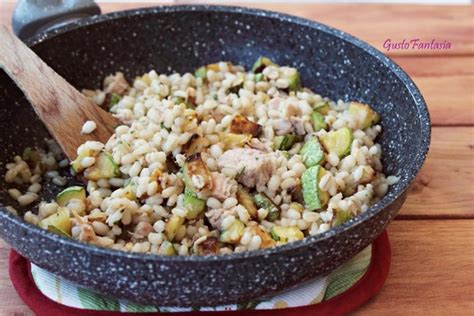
[{"x": 88, "y": 127}]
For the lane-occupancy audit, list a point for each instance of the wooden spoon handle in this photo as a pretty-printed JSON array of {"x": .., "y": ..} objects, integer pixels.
[{"x": 58, "y": 104}]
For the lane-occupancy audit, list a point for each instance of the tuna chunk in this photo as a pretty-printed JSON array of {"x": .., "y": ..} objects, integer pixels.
[
  {"x": 283, "y": 127},
  {"x": 215, "y": 216},
  {"x": 292, "y": 110},
  {"x": 222, "y": 187},
  {"x": 255, "y": 143},
  {"x": 298, "y": 125},
  {"x": 87, "y": 233},
  {"x": 275, "y": 104},
  {"x": 293, "y": 125},
  {"x": 254, "y": 167},
  {"x": 142, "y": 230}
]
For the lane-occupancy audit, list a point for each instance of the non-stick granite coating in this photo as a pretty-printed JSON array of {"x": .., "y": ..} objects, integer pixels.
[{"x": 180, "y": 39}]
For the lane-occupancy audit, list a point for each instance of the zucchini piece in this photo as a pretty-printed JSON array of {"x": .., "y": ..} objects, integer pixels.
[
  {"x": 285, "y": 154},
  {"x": 233, "y": 234},
  {"x": 145, "y": 78},
  {"x": 76, "y": 164},
  {"x": 195, "y": 144},
  {"x": 312, "y": 153},
  {"x": 167, "y": 249},
  {"x": 284, "y": 234},
  {"x": 261, "y": 63},
  {"x": 246, "y": 200},
  {"x": 258, "y": 77},
  {"x": 214, "y": 67},
  {"x": 197, "y": 177},
  {"x": 104, "y": 168},
  {"x": 294, "y": 81},
  {"x": 267, "y": 240},
  {"x": 193, "y": 204},
  {"x": 278, "y": 143},
  {"x": 231, "y": 140},
  {"x": 75, "y": 192},
  {"x": 365, "y": 116},
  {"x": 210, "y": 246},
  {"x": 201, "y": 72},
  {"x": 322, "y": 107},
  {"x": 172, "y": 226},
  {"x": 114, "y": 99},
  {"x": 318, "y": 121},
  {"x": 285, "y": 142},
  {"x": 297, "y": 206},
  {"x": 111, "y": 99},
  {"x": 131, "y": 189},
  {"x": 242, "y": 125},
  {"x": 314, "y": 198},
  {"x": 338, "y": 142},
  {"x": 60, "y": 221},
  {"x": 180, "y": 100},
  {"x": 263, "y": 201},
  {"x": 342, "y": 217},
  {"x": 59, "y": 231}
]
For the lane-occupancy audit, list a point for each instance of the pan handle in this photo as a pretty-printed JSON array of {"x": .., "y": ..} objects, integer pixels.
[{"x": 31, "y": 17}]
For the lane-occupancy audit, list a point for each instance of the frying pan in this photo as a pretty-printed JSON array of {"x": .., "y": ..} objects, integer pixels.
[{"x": 181, "y": 38}]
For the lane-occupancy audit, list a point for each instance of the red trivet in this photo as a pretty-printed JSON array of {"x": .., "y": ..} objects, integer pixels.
[{"x": 364, "y": 289}]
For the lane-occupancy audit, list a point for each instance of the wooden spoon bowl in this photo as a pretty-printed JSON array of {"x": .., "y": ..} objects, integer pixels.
[{"x": 61, "y": 108}]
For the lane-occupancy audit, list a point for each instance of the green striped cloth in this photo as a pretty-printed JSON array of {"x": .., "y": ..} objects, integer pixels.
[{"x": 70, "y": 294}]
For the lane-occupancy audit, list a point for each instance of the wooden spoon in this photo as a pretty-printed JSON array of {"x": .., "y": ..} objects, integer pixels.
[{"x": 58, "y": 104}]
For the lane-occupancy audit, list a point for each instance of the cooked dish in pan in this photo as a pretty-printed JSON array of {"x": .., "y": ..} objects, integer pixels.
[{"x": 220, "y": 161}]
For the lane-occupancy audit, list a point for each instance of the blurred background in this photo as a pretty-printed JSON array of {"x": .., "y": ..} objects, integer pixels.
[{"x": 374, "y": 21}]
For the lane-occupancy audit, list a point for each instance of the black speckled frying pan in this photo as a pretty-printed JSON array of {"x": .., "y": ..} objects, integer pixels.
[{"x": 179, "y": 39}]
